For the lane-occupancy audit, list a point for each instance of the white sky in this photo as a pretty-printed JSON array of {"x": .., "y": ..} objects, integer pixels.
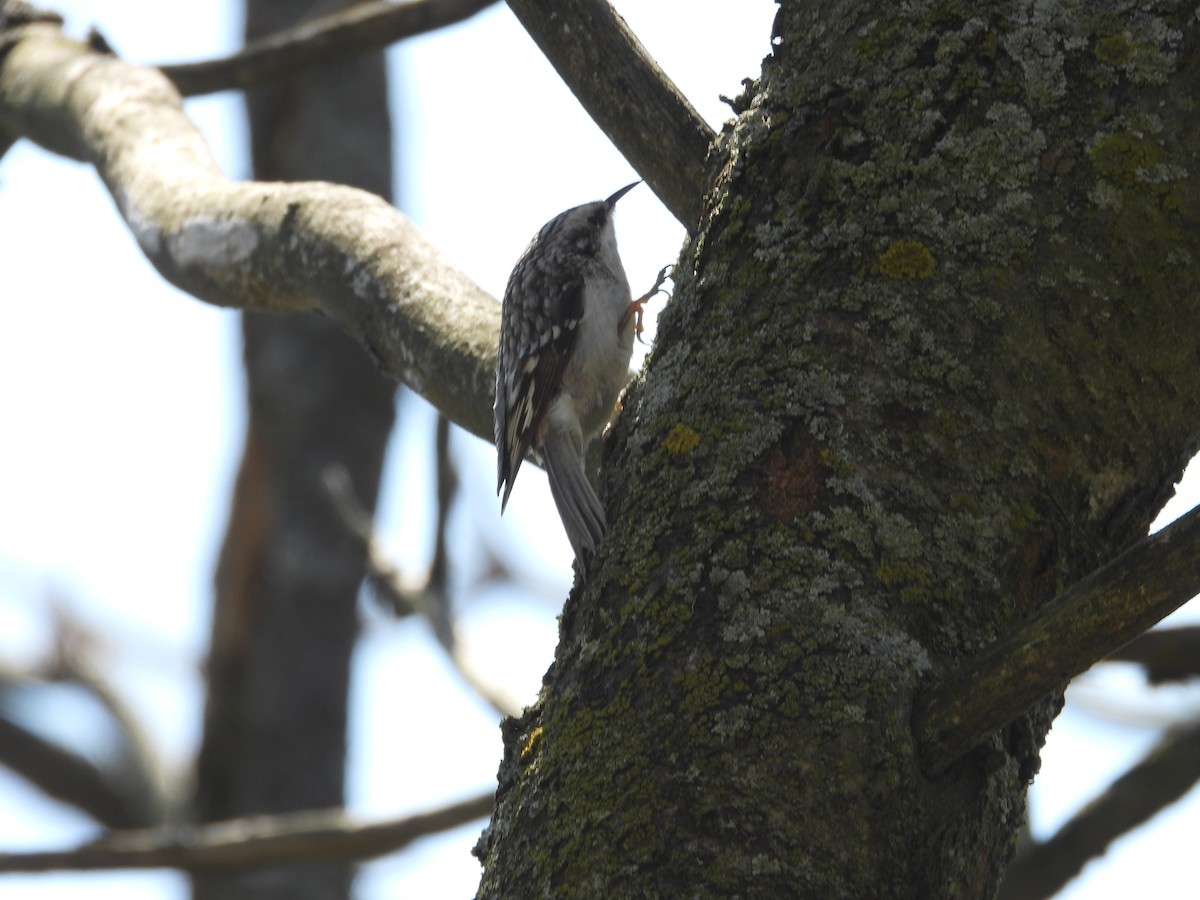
[{"x": 122, "y": 421}]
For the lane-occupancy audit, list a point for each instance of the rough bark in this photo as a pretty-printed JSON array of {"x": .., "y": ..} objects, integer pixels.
[
  {"x": 927, "y": 364},
  {"x": 930, "y": 360},
  {"x": 286, "y": 614}
]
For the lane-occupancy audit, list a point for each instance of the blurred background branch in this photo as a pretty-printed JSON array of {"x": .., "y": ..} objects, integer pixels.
[
  {"x": 121, "y": 788},
  {"x": 428, "y": 597},
  {"x": 1168, "y": 654},
  {"x": 298, "y": 837},
  {"x": 1168, "y": 772},
  {"x": 327, "y": 38}
]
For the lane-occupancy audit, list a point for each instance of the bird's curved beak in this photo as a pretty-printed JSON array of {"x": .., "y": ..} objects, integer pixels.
[{"x": 612, "y": 201}]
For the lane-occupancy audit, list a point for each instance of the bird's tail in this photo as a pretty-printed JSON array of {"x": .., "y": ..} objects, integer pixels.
[{"x": 578, "y": 506}]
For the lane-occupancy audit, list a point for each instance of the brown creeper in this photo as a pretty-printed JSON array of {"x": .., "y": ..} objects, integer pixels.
[{"x": 566, "y": 335}]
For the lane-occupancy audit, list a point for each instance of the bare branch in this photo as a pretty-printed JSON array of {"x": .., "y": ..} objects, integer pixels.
[
  {"x": 404, "y": 600},
  {"x": 334, "y": 38},
  {"x": 447, "y": 489},
  {"x": 428, "y": 599},
  {"x": 627, "y": 95},
  {"x": 1080, "y": 627},
  {"x": 135, "y": 768},
  {"x": 254, "y": 245},
  {"x": 1172, "y": 654},
  {"x": 255, "y": 841},
  {"x": 122, "y": 791},
  {"x": 1165, "y": 775},
  {"x": 68, "y": 777}
]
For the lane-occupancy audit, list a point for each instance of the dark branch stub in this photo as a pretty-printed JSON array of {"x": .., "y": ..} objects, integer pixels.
[{"x": 1080, "y": 627}]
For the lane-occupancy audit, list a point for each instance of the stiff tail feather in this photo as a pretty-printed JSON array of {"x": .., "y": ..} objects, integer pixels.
[{"x": 578, "y": 506}]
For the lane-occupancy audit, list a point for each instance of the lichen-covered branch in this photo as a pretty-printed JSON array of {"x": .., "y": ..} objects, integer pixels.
[
  {"x": 336, "y": 37},
  {"x": 1079, "y": 628},
  {"x": 255, "y": 245},
  {"x": 261, "y": 840},
  {"x": 627, "y": 94}
]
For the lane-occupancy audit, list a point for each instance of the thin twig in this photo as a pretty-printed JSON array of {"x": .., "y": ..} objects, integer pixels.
[
  {"x": 343, "y": 35},
  {"x": 137, "y": 766},
  {"x": 122, "y": 791},
  {"x": 427, "y": 599},
  {"x": 1080, "y": 627},
  {"x": 627, "y": 95},
  {"x": 256, "y": 841}
]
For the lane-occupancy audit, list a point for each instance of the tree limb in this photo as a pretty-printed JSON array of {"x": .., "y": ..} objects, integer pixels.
[
  {"x": 135, "y": 768},
  {"x": 1161, "y": 778},
  {"x": 1080, "y": 627},
  {"x": 1172, "y": 654},
  {"x": 69, "y": 777},
  {"x": 627, "y": 95},
  {"x": 333, "y": 38},
  {"x": 255, "y": 245},
  {"x": 256, "y": 841},
  {"x": 124, "y": 790}
]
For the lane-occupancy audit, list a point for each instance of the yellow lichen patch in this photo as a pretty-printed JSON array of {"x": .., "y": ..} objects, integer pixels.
[
  {"x": 1114, "y": 50},
  {"x": 1124, "y": 158},
  {"x": 838, "y": 464},
  {"x": 906, "y": 259},
  {"x": 912, "y": 579},
  {"x": 681, "y": 440},
  {"x": 893, "y": 573},
  {"x": 532, "y": 742}
]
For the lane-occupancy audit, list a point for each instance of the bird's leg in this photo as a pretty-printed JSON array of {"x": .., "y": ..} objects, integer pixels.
[{"x": 636, "y": 307}]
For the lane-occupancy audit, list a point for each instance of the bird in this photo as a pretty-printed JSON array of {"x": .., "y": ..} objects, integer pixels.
[{"x": 566, "y": 337}]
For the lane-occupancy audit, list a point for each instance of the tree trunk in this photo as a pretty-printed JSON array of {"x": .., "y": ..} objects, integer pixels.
[
  {"x": 930, "y": 359},
  {"x": 286, "y": 616}
]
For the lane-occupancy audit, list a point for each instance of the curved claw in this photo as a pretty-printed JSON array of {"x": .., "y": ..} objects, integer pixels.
[{"x": 637, "y": 307}]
